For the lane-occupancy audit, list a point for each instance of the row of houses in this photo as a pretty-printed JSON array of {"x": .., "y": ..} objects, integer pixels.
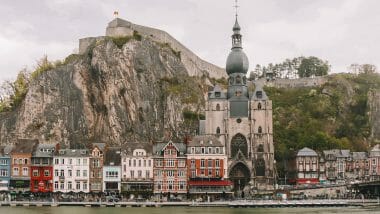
[
  {"x": 335, "y": 166},
  {"x": 196, "y": 167}
]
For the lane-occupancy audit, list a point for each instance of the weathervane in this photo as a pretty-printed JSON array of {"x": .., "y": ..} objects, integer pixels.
[{"x": 236, "y": 7}]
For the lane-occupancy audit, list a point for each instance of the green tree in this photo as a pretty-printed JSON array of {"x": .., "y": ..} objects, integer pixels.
[{"x": 313, "y": 66}]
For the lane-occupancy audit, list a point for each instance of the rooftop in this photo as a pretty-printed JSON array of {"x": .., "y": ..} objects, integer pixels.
[
  {"x": 306, "y": 152},
  {"x": 112, "y": 157},
  {"x": 204, "y": 140}
]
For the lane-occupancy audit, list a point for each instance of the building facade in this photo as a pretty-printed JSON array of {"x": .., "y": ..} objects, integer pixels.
[
  {"x": 169, "y": 169},
  {"x": 71, "y": 170},
  {"x": 5, "y": 167},
  {"x": 41, "y": 180},
  {"x": 374, "y": 163},
  {"x": 307, "y": 166},
  {"x": 112, "y": 170},
  {"x": 207, "y": 167},
  {"x": 21, "y": 164},
  {"x": 242, "y": 122},
  {"x": 137, "y": 169},
  {"x": 96, "y": 167}
]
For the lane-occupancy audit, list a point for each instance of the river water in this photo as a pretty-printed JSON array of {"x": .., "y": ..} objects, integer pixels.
[{"x": 180, "y": 210}]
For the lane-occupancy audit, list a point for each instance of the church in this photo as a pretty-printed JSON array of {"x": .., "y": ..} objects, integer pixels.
[{"x": 242, "y": 121}]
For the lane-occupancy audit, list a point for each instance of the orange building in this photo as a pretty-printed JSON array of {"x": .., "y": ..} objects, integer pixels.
[
  {"x": 169, "y": 169},
  {"x": 207, "y": 167},
  {"x": 21, "y": 164}
]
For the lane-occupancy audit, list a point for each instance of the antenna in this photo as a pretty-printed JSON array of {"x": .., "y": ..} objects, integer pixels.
[{"x": 236, "y": 8}]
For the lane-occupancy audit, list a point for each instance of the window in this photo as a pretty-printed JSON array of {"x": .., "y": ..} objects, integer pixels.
[
  {"x": 35, "y": 173},
  {"x": 192, "y": 163},
  {"x": 260, "y": 148},
  {"x": 78, "y": 161},
  {"x": 182, "y": 185},
  {"x": 144, "y": 163},
  {"x": 159, "y": 185},
  {"x": 193, "y": 174},
  {"x": 62, "y": 161},
  {"x": 15, "y": 161},
  {"x": 62, "y": 173},
  {"x": 170, "y": 163},
  {"x": 69, "y": 185},
  {"x": 181, "y": 163},
  {"x": 218, "y": 130},
  {"x": 259, "y": 106},
  {"x": 209, "y": 150},
  {"x": 217, "y": 150},
  {"x": 78, "y": 173},
  {"x": 260, "y": 130},
  {"x": 70, "y": 161},
  {"x": 84, "y": 173},
  {"x": 70, "y": 172},
  {"x": 218, "y": 107},
  {"x": 203, "y": 150},
  {"x": 170, "y": 185},
  {"x": 139, "y": 163},
  {"x": 3, "y": 173},
  {"x": 149, "y": 163},
  {"x": 181, "y": 173},
  {"x": 112, "y": 174},
  {"x": 202, "y": 163},
  {"x": 217, "y": 163},
  {"x": 217, "y": 173},
  {"x": 85, "y": 185},
  {"x": 45, "y": 161},
  {"x": 209, "y": 172},
  {"x": 139, "y": 174},
  {"x": 129, "y": 162},
  {"x": 134, "y": 162},
  {"x": 192, "y": 150},
  {"x": 25, "y": 171},
  {"x": 96, "y": 163},
  {"x": 25, "y": 161},
  {"x": 56, "y": 173},
  {"x": 56, "y": 162},
  {"x": 209, "y": 163},
  {"x": 55, "y": 184},
  {"x": 62, "y": 185},
  {"x": 84, "y": 162},
  {"x": 78, "y": 185},
  {"x": 147, "y": 174},
  {"x": 132, "y": 173},
  {"x": 15, "y": 171}
]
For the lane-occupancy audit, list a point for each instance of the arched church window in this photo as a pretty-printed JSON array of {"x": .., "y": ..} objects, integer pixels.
[
  {"x": 260, "y": 167},
  {"x": 260, "y": 130},
  {"x": 231, "y": 80},
  {"x": 218, "y": 130},
  {"x": 259, "y": 106},
  {"x": 260, "y": 148},
  {"x": 239, "y": 144},
  {"x": 238, "y": 79},
  {"x": 218, "y": 107}
]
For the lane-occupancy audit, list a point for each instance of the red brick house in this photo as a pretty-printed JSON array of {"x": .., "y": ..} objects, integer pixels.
[{"x": 41, "y": 180}]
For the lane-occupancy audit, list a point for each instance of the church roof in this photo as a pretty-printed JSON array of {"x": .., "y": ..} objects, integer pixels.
[
  {"x": 259, "y": 93},
  {"x": 306, "y": 152},
  {"x": 217, "y": 93}
]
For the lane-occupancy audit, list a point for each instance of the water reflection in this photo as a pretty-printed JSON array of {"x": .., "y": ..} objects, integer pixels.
[{"x": 180, "y": 210}]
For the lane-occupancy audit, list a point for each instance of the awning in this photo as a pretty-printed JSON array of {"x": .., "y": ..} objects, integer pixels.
[{"x": 210, "y": 183}]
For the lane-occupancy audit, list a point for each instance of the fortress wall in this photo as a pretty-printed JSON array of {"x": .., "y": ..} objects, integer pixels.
[{"x": 294, "y": 83}]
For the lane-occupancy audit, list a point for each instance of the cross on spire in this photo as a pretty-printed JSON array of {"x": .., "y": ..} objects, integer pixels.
[{"x": 236, "y": 7}]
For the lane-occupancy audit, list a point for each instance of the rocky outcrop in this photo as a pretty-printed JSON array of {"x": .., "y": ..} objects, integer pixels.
[
  {"x": 374, "y": 114},
  {"x": 109, "y": 94}
]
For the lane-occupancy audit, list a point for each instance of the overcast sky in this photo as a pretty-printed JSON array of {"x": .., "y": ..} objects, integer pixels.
[{"x": 340, "y": 31}]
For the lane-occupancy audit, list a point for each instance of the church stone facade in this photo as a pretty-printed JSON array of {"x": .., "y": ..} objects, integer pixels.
[{"x": 242, "y": 121}]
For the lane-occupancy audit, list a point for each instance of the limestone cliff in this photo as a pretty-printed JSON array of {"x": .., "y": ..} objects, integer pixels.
[{"x": 131, "y": 92}]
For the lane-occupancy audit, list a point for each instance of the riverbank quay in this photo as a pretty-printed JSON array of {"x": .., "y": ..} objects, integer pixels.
[{"x": 231, "y": 204}]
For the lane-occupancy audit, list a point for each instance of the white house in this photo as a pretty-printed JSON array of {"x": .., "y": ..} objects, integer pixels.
[
  {"x": 112, "y": 170},
  {"x": 71, "y": 170}
]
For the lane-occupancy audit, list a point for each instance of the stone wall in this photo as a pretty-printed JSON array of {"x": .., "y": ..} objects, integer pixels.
[
  {"x": 293, "y": 83},
  {"x": 194, "y": 65}
]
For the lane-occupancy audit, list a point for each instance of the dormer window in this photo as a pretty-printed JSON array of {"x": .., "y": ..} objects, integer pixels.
[{"x": 259, "y": 94}]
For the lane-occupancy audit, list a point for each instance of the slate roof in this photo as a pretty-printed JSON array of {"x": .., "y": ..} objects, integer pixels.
[
  {"x": 375, "y": 151},
  {"x": 44, "y": 150},
  {"x": 101, "y": 146},
  {"x": 72, "y": 153},
  {"x": 158, "y": 147},
  {"x": 217, "y": 89},
  {"x": 204, "y": 140},
  {"x": 256, "y": 94},
  {"x": 337, "y": 153},
  {"x": 306, "y": 152},
  {"x": 359, "y": 155},
  {"x": 112, "y": 155},
  {"x": 128, "y": 148},
  {"x": 25, "y": 146}
]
